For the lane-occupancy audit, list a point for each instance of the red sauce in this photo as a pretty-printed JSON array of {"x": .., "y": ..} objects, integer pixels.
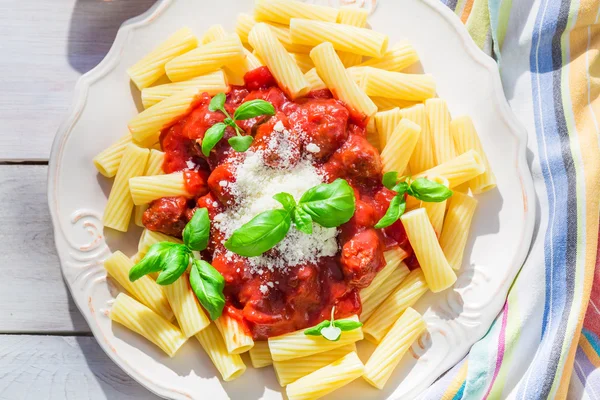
[{"x": 305, "y": 294}]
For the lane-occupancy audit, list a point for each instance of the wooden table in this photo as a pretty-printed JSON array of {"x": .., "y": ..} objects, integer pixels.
[{"x": 46, "y": 348}]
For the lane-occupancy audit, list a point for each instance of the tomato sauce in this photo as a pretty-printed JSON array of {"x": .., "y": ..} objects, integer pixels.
[{"x": 303, "y": 295}]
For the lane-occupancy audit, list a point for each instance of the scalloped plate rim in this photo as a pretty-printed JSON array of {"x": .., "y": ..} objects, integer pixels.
[{"x": 110, "y": 61}]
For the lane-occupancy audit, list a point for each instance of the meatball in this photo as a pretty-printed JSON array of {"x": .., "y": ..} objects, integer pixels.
[
  {"x": 281, "y": 148},
  {"x": 364, "y": 217},
  {"x": 305, "y": 288},
  {"x": 323, "y": 124},
  {"x": 167, "y": 215},
  {"x": 219, "y": 180},
  {"x": 362, "y": 257},
  {"x": 359, "y": 159}
]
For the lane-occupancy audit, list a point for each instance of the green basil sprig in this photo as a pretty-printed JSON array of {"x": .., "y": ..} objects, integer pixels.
[
  {"x": 422, "y": 189},
  {"x": 332, "y": 330},
  {"x": 329, "y": 205},
  {"x": 173, "y": 259},
  {"x": 249, "y": 109}
]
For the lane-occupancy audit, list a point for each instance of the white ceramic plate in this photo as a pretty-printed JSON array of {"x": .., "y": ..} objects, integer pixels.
[{"x": 502, "y": 228}]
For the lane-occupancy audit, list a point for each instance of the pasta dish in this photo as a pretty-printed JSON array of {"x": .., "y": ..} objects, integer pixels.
[{"x": 299, "y": 191}]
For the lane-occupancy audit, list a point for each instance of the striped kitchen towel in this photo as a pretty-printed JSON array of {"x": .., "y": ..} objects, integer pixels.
[{"x": 545, "y": 343}]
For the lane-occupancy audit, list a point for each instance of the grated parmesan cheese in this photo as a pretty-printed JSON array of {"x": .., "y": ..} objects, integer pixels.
[{"x": 255, "y": 185}]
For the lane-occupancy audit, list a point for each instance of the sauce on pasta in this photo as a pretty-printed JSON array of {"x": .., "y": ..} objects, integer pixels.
[{"x": 303, "y": 295}]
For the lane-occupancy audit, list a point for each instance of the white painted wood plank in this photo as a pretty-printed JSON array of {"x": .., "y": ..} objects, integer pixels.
[
  {"x": 33, "y": 295},
  {"x": 44, "y": 47},
  {"x": 62, "y": 368}
]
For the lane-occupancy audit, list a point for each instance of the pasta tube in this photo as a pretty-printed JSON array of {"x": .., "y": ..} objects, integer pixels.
[
  {"x": 151, "y": 121},
  {"x": 304, "y": 62},
  {"x": 153, "y": 167},
  {"x": 120, "y": 205},
  {"x": 143, "y": 321},
  {"x": 332, "y": 71},
  {"x": 291, "y": 370},
  {"x": 150, "y": 238},
  {"x": 406, "y": 295},
  {"x": 314, "y": 80},
  {"x": 423, "y": 157},
  {"x": 280, "y": 62},
  {"x": 260, "y": 355},
  {"x": 108, "y": 161},
  {"x": 237, "y": 339},
  {"x": 454, "y": 236},
  {"x": 211, "y": 83},
  {"x": 372, "y": 134},
  {"x": 230, "y": 366},
  {"x": 393, "y": 259},
  {"x": 147, "y": 71},
  {"x": 393, "y": 347},
  {"x": 354, "y": 17},
  {"x": 396, "y": 85},
  {"x": 458, "y": 170},
  {"x": 215, "y": 32},
  {"x": 438, "y": 273},
  {"x": 327, "y": 379},
  {"x": 436, "y": 211},
  {"x": 385, "y": 104},
  {"x": 145, "y": 189},
  {"x": 184, "y": 303},
  {"x": 145, "y": 290},
  {"x": 439, "y": 123},
  {"x": 244, "y": 25},
  {"x": 297, "y": 344},
  {"x": 400, "y": 146},
  {"x": 386, "y": 122},
  {"x": 205, "y": 59},
  {"x": 351, "y": 39},
  {"x": 466, "y": 138},
  {"x": 385, "y": 289},
  {"x": 282, "y": 11},
  {"x": 395, "y": 59}
]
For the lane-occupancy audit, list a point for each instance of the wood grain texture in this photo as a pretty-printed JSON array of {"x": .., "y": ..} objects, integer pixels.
[
  {"x": 61, "y": 368},
  {"x": 46, "y": 46},
  {"x": 33, "y": 294}
]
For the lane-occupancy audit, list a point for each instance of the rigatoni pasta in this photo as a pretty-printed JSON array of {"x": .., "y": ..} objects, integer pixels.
[
  {"x": 396, "y": 85},
  {"x": 211, "y": 83},
  {"x": 260, "y": 355},
  {"x": 190, "y": 316},
  {"x": 400, "y": 146},
  {"x": 436, "y": 211},
  {"x": 371, "y": 303},
  {"x": 406, "y": 295},
  {"x": 145, "y": 189},
  {"x": 438, "y": 273},
  {"x": 466, "y": 138},
  {"x": 107, "y": 162},
  {"x": 439, "y": 124},
  {"x": 154, "y": 166},
  {"x": 354, "y": 17},
  {"x": 291, "y": 370},
  {"x": 423, "y": 157},
  {"x": 396, "y": 59},
  {"x": 297, "y": 344},
  {"x": 237, "y": 340},
  {"x": 393, "y": 347},
  {"x": 150, "y": 68},
  {"x": 279, "y": 61},
  {"x": 282, "y": 11},
  {"x": 143, "y": 321},
  {"x": 458, "y": 170},
  {"x": 327, "y": 379},
  {"x": 346, "y": 38},
  {"x": 386, "y": 122},
  {"x": 230, "y": 366},
  {"x": 453, "y": 240},
  {"x": 331, "y": 70},
  {"x": 393, "y": 260},
  {"x": 120, "y": 205}
]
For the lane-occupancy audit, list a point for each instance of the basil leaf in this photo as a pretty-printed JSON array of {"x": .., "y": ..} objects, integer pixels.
[
  {"x": 331, "y": 333},
  {"x": 176, "y": 261},
  {"x": 153, "y": 261},
  {"x": 429, "y": 191},
  {"x": 261, "y": 234},
  {"x": 287, "y": 200},
  {"x": 217, "y": 102},
  {"x": 401, "y": 188},
  {"x": 241, "y": 143},
  {"x": 230, "y": 122},
  {"x": 207, "y": 284},
  {"x": 302, "y": 220},
  {"x": 393, "y": 213},
  {"x": 347, "y": 324},
  {"x": 197, "y": 231},
  {"x": 316, "y": 330},
  {"x": 212, "y": 137},
  {"x": 329, "y": 205},
  {"x": 390, "y": 179},
  {"x": 253, "y": 108}
]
